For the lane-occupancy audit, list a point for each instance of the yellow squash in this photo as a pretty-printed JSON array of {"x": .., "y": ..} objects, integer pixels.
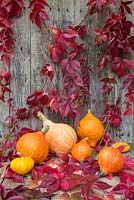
[
  {"x": 22, "y": 165},
  {"x": 125, "y": 145}
]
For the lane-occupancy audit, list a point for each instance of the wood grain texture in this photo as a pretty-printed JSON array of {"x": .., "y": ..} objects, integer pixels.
[{"x": 31, "y": 54}]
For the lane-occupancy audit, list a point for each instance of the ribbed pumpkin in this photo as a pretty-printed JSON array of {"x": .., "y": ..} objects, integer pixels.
[
  {"x": 60, "y": 137},
  {"x": 81, "y": 150},
  {"x": 110, "y": 160},
  {"x": 91, "y": 127},
  {"x": 33, "y": 145},
  {"x": 22, "y": 165}
]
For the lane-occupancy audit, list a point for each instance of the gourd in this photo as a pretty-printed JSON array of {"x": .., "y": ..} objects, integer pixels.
[
  {"x": 91, "y": 127},
  {"x": 33, "y": 145},
  {"x": 81, "y": 150},
  {"x": 125, "y": 145},
  {"x": 22, "y": 165},
  {"x": 110, "y": 160},
  {"x": 60, "y": 137}
]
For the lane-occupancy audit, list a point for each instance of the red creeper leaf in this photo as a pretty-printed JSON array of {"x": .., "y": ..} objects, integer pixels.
[{"x": 48, "y": 70}]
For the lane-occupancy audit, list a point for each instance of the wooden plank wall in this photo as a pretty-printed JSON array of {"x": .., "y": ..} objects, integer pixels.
[{"x": 30, "y": 54}]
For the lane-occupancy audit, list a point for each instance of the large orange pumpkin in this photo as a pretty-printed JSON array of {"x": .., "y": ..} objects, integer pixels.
[
  {"x": 110, "y": 160},
  {"x": 60, "y": 137},
  {"x": 91, "y": 127},
  {"x": 33, "y": 145}
]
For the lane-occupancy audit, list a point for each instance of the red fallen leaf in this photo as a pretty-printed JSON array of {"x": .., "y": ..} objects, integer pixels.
[
  {"x": 71, "y": 181},
  {"x": 51, "y": 183},
  {"x": 64, "y": 157},
  {"x": 16, "y": 197},
  {"x": 86, "y": 189},
  {"x": 90, "y": 166},
  {"x": 124, "y": 175},
  {"x": 48, "y": 70},
  {"x": 64, "y": 196},
  {"x": 125, "y": 188},
  {"x": 128, "y": 163},
  {"x": 94, "y": 197},
  {"x": 10, "y": 174},
  {"x": 3, "y": 191},
  {"x": 128, "y": 110},
  {"x": 101, "y": 185},
  {"x": 109, "y": 197},
  {"x": 76, "y": 196}
]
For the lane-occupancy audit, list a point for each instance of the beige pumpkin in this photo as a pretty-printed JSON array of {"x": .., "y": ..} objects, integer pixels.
[{"x": 60, "y": 137}]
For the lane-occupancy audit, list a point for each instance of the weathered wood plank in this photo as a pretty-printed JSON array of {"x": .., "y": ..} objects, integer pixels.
[
  {"x": 31, "y": 54},
  {"x": 20, "y": 62}
]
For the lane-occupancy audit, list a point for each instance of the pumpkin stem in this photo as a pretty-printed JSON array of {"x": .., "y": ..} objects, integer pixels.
[
  {"x": 86, "y": 138},
  {"x": 45, "y": 129},
  {"x": 89, "y": 111},
  {"x": 101, "y": 174},
  {"x": 41, "y": 116}
]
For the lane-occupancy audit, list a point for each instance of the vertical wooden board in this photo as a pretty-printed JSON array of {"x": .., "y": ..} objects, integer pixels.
[
  {"x": 20, "y": 62},
  {"x": 4, "y": 112},
  {"x": 125, "y": 131}
]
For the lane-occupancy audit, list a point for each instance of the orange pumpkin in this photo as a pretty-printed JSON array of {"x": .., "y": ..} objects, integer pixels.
[
  {"x": 60, "y": 137},
  {"x": 81, "y": 150},
  {"x": 110, "y": 160},
  {"x": 33, "y": 145},
  {"x": 91, "y": 127}
]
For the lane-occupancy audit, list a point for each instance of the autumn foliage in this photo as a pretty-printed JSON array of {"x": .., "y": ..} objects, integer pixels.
[{"x": 67, "y": 50}]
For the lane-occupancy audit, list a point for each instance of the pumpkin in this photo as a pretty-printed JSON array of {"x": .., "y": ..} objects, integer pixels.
[
  {"x": 81, "y": 150},
  {"x": 33, "y": 145},
  {"x": 110, "y": 160},
  {"x": 22, "y": 165},
  {"x": 91, "y": 127},
  {"x": 60, "y": 137},
  {"x": 124, "y": 145}
]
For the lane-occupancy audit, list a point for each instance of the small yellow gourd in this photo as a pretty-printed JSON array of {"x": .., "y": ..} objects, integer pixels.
[
  {"x": 91, "y": 127},
  {"x": 125, "y": 145},
  {"x": 22, "y": 165}
]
